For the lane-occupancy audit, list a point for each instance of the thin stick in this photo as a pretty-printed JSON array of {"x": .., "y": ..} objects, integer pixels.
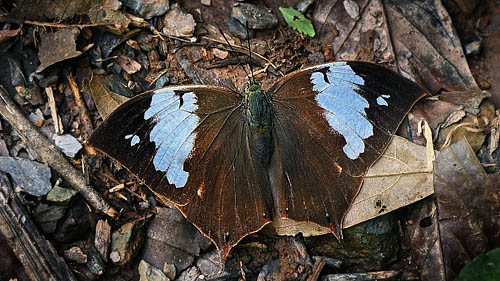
[
  {"x": 53, "y": 111},
  {"x": 62, "y": 25},
  {"x": 50, "y": 154},
  {"x": 84, "y": 113}
]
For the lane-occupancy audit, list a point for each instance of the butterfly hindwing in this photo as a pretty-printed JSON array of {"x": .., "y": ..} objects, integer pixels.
[
  {"x": 189, "y": 144},
  {"x": 331, "y": 123}
]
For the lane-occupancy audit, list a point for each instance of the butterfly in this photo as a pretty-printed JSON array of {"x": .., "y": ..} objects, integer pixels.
[{"x": 232, "y": 162}]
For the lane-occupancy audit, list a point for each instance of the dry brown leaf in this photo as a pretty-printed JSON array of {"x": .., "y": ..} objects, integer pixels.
[
  {"x": 105, "y": 100},
  {"x": 445, "y": 112},
  {"x": 171, "y": 239},
  {"x": 424, "y": 239},
  {"x": 469, "y": 206},
  {"x": 417, "y": 35},
  {"x": 129, "y": 65},
  {"x": 57, "y": 46},
  {"x": 399, "y": 178}
]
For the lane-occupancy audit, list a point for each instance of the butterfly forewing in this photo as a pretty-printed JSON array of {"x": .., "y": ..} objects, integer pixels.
[
  {"x": 189, "y": 145},
  {"x": 331, "y": 123}
]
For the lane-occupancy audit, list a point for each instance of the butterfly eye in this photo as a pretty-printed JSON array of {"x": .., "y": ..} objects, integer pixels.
[
  {"x": 226, "y": 237},
  {"x": 327, "y": 216}
]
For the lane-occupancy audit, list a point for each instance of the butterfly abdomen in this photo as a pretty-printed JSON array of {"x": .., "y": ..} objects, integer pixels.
[{"x": 259, "y": 116}]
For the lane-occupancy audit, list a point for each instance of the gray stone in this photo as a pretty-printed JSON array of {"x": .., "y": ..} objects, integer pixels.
[
  {"x": 303, "y": 5},
  {"x": 121, "y": 241},
  {"x": 191, "y": 274},
  {"x": 169, "y": 270},
  {"x": 171, "y": 239},
  {"x": 473, "y": 48},
  {"x": 68, "y": 144},
  {"x": 61, "y": 195},
  {"x": 47, "y": 216},
  {"x": 238, "y": 29},
  {"x": 210, "y": 266},
  {"x": 148, "y": 272},
  {"x": 352, "y": 9},
  {"x": 256, "y": 17},
  {"x": 147, "y": 8},
  {"x": 178, "y": 23},
  {"x": 33, "y": 177}
]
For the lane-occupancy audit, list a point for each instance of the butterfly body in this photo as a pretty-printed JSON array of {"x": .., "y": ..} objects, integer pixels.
[
  {"x": 259, "y": 113},
  {"x": 232, "y": 163}
]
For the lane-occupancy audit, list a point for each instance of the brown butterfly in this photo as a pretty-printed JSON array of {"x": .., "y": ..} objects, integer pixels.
[{"x": 233, "y": 162}]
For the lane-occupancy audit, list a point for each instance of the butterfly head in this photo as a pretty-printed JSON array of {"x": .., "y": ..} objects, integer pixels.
[{"x": 253, "y": 87}]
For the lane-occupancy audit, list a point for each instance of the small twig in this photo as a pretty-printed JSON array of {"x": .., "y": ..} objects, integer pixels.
[
  {"x": 62, "y": 25},
  {"x": 53, "y": 111},
  {"x": 317, "y": 268},
  {"x": 50, "y": 154},
  {"x": 84, "y": 113},
  {"x": 158, "y": 76}
]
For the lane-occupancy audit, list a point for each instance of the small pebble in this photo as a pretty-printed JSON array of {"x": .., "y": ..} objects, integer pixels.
[
  {"x": 256, "y": 17},
  {"x": 178, "y": 23},
  {"x": 68, "y": 144},
  {"x": 303, "y": 5},
  {"x": 147, "y": 8},
  {"x": 352, "y": 9},
  {"x": 238, "y": 29},
  {"x": 473, "y": 48},
  {"x": 484, "y": 85}
]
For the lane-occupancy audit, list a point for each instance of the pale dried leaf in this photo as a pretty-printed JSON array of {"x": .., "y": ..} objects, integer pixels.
[
  {"x": 105, "y": 100},
  {"x": 399, "y": 178},
  {"x": 57, "y": 46}
]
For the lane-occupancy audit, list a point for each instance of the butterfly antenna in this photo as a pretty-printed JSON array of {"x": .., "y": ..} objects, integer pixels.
[
  {"x": 249, "y": 52},
  {"x": 233, "y": 53}
]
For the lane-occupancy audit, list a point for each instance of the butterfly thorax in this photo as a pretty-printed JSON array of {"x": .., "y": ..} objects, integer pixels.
[{"x": 259, "y": 116}]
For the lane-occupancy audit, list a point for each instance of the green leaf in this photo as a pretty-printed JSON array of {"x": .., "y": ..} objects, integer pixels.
[
  {"x": 482, "y": 268},
  {"x": 297, "y": 21}
]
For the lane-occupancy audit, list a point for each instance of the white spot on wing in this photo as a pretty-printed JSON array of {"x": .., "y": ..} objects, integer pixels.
[
  {"x": 173, "y": 134},
  {"x": 382, "y": 101},
  {"x": 135, "y": 140},
  {"x": 344, "y": 107}
]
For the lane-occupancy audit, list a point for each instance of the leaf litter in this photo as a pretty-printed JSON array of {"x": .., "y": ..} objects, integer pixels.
[{"x": 415, "y": 38}]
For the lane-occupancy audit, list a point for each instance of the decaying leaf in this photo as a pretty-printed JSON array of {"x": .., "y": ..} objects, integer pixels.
[
  {"x": 9, "y": 33},
  {"x": 110, "y": 15},
  {"x": 469, "y": 206},
  {"x": 105, "y": 100},
  {"x": 171, "y": 239},
  {"x": 57, "y": 46},
  {"x": 128, "y": 65},
  {"x": 399, "y": 178},
  {"x": 418, "y": 36},
  {"x": 453, "y": 115},
  {"x": 423, "y": 232}
]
